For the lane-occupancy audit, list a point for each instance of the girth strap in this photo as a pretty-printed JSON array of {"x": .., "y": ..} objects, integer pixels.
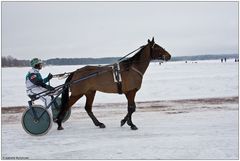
[{"x": 117, "y": 77}]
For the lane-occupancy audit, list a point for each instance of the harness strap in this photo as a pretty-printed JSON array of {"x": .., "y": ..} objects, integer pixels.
[
  {"x": 117, "y": 77},
  {"x": 119, "y": 60},
  {"x": 136, "y": 70},
  {"x": 119, "y": 85}
]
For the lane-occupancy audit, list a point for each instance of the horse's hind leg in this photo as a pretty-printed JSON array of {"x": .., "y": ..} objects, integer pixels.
[
  {"x": 88, "y": 107},
  {"x": 62, "y": 113},
  {"x": 131, "y": 108}
]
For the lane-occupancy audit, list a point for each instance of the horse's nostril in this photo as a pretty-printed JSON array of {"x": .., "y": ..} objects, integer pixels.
[
  {"x": 166, "y": 57},
  {"x": 169, "y": 57}
]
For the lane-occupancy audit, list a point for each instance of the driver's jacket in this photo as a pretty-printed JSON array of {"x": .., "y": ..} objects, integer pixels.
[{"x": 35, "y": 82}]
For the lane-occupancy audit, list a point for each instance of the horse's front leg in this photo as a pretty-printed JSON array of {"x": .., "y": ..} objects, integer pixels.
[
  {"x": 131, "y": 108},
  {"x": 88, "y": 107}
]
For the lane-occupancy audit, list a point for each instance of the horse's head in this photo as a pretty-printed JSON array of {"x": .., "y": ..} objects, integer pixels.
[{"x": 157, "y": 52}]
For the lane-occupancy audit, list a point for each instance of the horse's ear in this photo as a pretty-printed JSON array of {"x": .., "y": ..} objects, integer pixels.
[
  {"x": 153, "y": 39},
  {"x": 149, "y": 41}
]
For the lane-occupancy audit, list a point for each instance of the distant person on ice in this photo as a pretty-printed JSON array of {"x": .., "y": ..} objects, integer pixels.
[{"x": 35, "y": 84}]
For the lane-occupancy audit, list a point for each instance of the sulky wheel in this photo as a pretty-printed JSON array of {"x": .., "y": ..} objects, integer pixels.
[
  {"x": 56, "y": 109},
  {"x": 38, "y": 125}
]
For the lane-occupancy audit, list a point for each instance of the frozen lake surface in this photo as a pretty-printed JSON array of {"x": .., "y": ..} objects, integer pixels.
[
  {"x": 190, "y": 129},
  {"x": 170, "y": 81}
]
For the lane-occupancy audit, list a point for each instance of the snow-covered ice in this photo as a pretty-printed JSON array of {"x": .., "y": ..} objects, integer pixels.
[
  {"x": 171, "y": 80},
  {"x": 168, "y": 130}
]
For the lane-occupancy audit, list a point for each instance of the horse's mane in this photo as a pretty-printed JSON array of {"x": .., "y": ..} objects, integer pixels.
[{"x": 134, "y": 58}]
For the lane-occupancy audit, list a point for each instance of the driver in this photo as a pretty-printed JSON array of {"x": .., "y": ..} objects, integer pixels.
[{"x": 35, "y": 84}]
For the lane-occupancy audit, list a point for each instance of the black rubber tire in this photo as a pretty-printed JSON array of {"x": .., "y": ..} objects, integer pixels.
[{"x": 38, "y": 127}]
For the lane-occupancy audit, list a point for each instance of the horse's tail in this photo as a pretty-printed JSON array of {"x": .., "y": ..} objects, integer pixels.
[{"x": 65, "y": 93}]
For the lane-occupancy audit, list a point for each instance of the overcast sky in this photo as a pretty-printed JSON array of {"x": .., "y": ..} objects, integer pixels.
[{"x": 109, "y": 29}]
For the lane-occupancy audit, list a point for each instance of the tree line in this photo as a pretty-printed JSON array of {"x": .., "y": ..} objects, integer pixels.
[{"x": 9, "y": 61}]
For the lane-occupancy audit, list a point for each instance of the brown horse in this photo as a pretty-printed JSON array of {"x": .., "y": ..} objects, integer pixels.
[{"x": 131, "y": 70}]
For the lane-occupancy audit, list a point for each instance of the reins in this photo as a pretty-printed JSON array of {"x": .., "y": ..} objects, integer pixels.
[
  {"x": 66, "y": 85},
  {"x": 119, "y": 60},
  {"x": 66, "y": 74},
  {"x": 137, "y": 61}
]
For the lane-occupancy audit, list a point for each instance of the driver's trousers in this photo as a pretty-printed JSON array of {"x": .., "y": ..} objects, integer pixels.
[{"x": 46, "y": 99}]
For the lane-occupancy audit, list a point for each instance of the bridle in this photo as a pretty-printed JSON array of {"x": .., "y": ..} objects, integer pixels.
[
  {"x": 161, "y": 57},
  {"x": 151, "y": 51},
  {"x": 152, "y": 57}
]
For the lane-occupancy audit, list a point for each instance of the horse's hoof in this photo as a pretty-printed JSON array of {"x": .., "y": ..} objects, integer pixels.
[
  {"x": 60, "y": 128},
  {"x": 123, "y": 122},
  {"x": 134, "y": 127},
  {"x": 101, "y": 125},
  {"x": 55, "y": 120}
]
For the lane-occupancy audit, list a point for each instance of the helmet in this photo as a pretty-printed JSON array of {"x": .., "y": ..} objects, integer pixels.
[{"x": 35, "y": 61}]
